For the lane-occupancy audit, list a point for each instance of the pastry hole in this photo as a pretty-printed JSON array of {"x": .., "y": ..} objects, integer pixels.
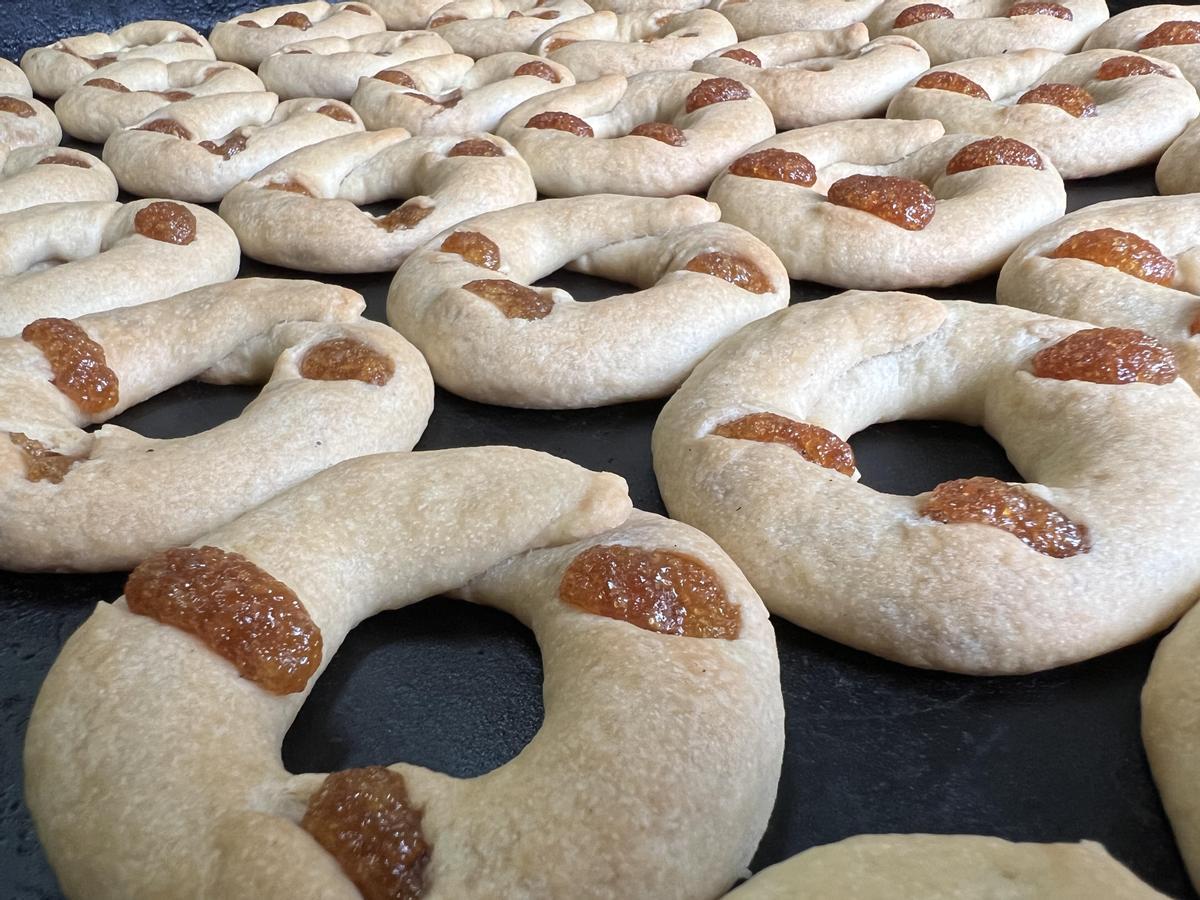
[{"x": 911, "y": 457}]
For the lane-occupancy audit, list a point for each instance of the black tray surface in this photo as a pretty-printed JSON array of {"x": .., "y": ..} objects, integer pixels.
[{"x": 871, "y": 746}]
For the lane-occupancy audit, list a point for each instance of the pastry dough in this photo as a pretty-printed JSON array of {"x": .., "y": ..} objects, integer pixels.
[
  {"x": 454, "y": 94},
  {"x": 128, "y": 496},
  {"x": 954, "y": 208},
  {"x": 1094, "y": 554},
  {"x": 480, "y": 28},
  {"x": 13, "y": 80},
  {"x": 405, "y": 15},
  {"x": 130, "y": 91},
  {"x": 655, "y": 134},
  {"x": 762, "y": 18},
  {"x": 988, "y": 27},
  {"x": 608, "y": 43},
  {"x": 1154, "y": 288},
  {"x": 70, "y": 259},
  {"x": 24, "y": 121},
  {"x": 946, "y": 867},
  {"x": 54, "y": 68},
  {"x": 813, "y": 77},
  {"x": 1122, "y": 121},
  {"x": 641, "y": 728},
  {"x": 1171, "y": 733},
  {"x": 1179, "y": 169},
  {"x": 252, "y": 37},
  {"x": 332, "y": 67},
  {"x": 35, "y": 175},
  {"x": 1141, "y": 29},
  {"x": 464, "y": 299},
  {"x": 200, "y": 149},
  {"x": 302, "y": 211}
]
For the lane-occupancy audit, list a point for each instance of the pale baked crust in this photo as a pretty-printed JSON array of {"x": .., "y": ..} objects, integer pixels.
[
  {"x": 405, "y": 15},
  {"x": 250, "y": 45},
  {"x": 31, "y": 176},
  {"x": 761, "y": 18},
  {"x": 481, "y": 28},
  {"x": 20, "y": 128},
  {"x": 1179, "y": 169},
  {"x": 1126, "y": 31}
]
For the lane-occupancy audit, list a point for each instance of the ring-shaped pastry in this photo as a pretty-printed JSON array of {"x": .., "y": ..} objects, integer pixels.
[
  {"x": 654, "y": 647},
  {"x": 947, "y": 867},
  {"x": 1092, "y": 113},
  {"x": 814, "y": 77},
  {"x": 200, "y": 149},
  {"x": 455, "y": 94},
  {"x": 252, "y": 37},
  {"x": 976, "y": 576},
  {"x": 337, "y": 386},
  {"x": 303, "y": 212},
  {"x": 656, "y": 134},
  {"x": 332, "y": 67},
  {"x": 56, "y": 67},
  {"x": 889, "y": 204},
  {"x": 31, "y": 176},
  {"x": 606, "y": 43},
  {"x": 1177, "y": 171},
  {"x": 480, "y": 28},
  {"x": 69, "y": 259},
  {"x": 405, "y": 15},
  {"x": 630, "y": 6},
  {"x": 134, "y": 89},
  {"x": 1162, "y": 30},
  {"x": 761, "y": 18},
  {"x": 963, "y": 29},
  {"x": 24, "y": 121},
  {"x": 466, "y": 299},
  {"x": 1131, "y": 263}
]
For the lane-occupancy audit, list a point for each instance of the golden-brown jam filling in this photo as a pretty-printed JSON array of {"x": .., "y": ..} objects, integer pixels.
[
  {"x": 1040, "y": 8},
  {"x": 776, "y": 165},
  {"x": 741, "y": 55},
  {"x": 346, "y": 359},
  {"x": 1121, "y": 250},
  {"x": 475, "y": 147},
  {"x": 664, "y": 132},
  {"x": 336, "y": 111},
  {"x": 477, "y": 249},
  {"x": 561, "y": 121},
  {"x": 108, "y": 84},
  {"x": 994, "y": 151},
  {"x": 249, "y": 23},
  {"x": 659, "y": 590},
  {"x": 239, "y": 611},
  {"x": 80, "y": 369},
  {"x": 228, "y": 148},
  {"x": 735, "y": 269},
  {"x": 1107, "y": 356},
  {"x": 1011, "y": 508},
  {"x": 538, "y": 69},
  {"x": 175, "y": 96},
  {"x": 1070, "y": 98},
  {"x": 395, "y": 76},
  {"x": 439, "y": 21},
  {"x": 516, "y": 301},
  {"x": 1169, "y": 33},
  {"x": 365, "y": 820},
  {"x": 816, "y": 444},
  {"x": 167, "y": 126},
  {"x": 558, "y": 43},
  {"x": 166, "y": 221},
  {"x": 361, "y": 10},
  {"x": 952, "y": 81},
  {"x": 63, "y": 159},
  {"x": 901, "y": 201},
  {"x": 18, "y": 108},
  {"x": 295, "y": 20},
  {"x": 409, "y": 215},
  {"x": 715, "y": 90},
  {"x": 1126, "y": 67},
  {"x": 42, "y": 463},
  {"x": 290, "y": 186},
  {"x": 921, "y": 12}
]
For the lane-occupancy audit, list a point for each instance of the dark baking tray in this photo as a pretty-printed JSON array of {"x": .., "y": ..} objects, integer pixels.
[{"x": 871, "y": 746}]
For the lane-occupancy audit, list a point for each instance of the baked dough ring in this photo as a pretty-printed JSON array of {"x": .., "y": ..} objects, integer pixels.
[
  {"x": 984, "y": 207},
  {"x": 130, "y": 91},
  {"x": 516, "y": 346},
  {"x": 1132, "y": 119},
  {"x": 578, "y": 813},
  {"x": 1178, "y": 171},
  {"x": 1115, "y": 471},
  {"x": 607, "y": 43},
  {"x": 762, "y": 18},
  {"x": 332, "y": 67},
  {"x": 1130, "y": 29},
  {"x": 405, "y": 15},
  {"x": 1171, "y": 733},
  {"x": 302, "y": 211},
  {"x": 467, "y": 95},
  {"x": 630, "y": 6},
  {"x": 54, "y": 68},
  {"x": 693, "y": 142},
  {"x": 252, "y": 37},
  {"x": 813, "y": 77},
  {"x": 35, "y": 175},
  {"x": 71, "y": 259},
  {"x": 200, "y": 149},
  {"x": 985, "y": 27},
  {"x": 480, "y": 28},
  {"x": 128, "y": 496},
  {"x": 24, "y": 122},
  {"x": 1160, "y": 295},
  {"x": 946, "y": 867}
]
